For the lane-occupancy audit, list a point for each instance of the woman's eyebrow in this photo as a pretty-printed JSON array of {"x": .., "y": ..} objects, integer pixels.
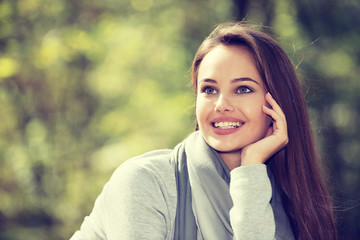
[
  {"x": 244, "y": 79},
  {"x": 209, "y": 80}
]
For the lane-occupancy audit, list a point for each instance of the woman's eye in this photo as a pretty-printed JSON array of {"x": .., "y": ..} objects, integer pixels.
[
  {"x": 243, "y": 89},
  {"x": 209, "y": 90}
]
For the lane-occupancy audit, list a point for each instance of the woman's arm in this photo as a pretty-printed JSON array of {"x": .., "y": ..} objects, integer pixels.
[{"x": 251, "y": 215}]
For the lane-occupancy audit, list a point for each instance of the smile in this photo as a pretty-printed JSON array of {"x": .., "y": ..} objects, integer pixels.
[{"x": 227, "y": 125}]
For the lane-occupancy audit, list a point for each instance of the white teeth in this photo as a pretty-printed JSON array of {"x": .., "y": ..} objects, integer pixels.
[{"x": 227, "y": 125}]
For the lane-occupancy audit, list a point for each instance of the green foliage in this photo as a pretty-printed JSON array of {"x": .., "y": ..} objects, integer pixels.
[{"x": 87, "y": 84}]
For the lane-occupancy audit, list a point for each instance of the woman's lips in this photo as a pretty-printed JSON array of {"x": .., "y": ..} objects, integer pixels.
[{"x": 224, "y": 126}]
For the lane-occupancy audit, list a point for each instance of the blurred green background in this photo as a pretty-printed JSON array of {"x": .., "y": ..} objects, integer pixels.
[{"x": 87, "y": 84}]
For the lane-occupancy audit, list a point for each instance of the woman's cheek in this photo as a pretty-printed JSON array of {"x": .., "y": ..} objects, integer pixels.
[{"x": 200, "y": 110}]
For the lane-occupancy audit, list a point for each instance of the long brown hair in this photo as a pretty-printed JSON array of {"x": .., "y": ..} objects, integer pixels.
[{"x": 296, "y": 167}]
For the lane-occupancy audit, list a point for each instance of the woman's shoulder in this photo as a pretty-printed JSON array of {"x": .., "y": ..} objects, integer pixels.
[
  {"x": 153, "y": 166},
  {"x": 140, "y": 189},
  {"x": 154, "y": 162}
]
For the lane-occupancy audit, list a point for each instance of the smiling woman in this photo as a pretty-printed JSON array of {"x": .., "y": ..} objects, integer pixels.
[
  {"x": 231, "y": 90},
  {"x": 248, "y": 172}
]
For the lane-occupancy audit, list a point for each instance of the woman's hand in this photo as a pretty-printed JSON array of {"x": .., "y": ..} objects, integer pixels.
[{"x": 275, "y": 139}]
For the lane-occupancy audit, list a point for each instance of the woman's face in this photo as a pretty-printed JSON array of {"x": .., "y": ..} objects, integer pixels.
[{"x": 229, "y": 101}]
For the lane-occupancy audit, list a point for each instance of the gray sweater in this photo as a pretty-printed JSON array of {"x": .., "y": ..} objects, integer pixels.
[{"x": 140, "y": 200}]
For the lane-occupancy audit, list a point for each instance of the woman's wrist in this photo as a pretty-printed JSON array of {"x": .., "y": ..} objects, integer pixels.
[{"x": 251, "y": 158}]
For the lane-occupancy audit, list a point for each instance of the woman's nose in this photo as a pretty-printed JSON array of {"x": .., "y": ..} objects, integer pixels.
[{"x": 223, "y": 104}]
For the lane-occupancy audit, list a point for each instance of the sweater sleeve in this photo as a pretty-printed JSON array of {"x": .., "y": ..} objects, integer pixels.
[
  {"x": 251, "y": 215},
  {"x": 133, "y": 205}
]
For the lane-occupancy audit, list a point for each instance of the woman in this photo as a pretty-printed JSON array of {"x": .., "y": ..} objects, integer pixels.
[{"x": 249, "y": 172}]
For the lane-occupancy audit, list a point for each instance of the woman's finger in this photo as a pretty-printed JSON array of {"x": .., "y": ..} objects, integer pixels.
[
  {"x": 274, "y": 105},
  {"x": 277, "y": 117}
]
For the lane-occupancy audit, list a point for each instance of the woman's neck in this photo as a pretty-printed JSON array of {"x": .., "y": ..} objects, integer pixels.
[{"x": 231, "y": 159}]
